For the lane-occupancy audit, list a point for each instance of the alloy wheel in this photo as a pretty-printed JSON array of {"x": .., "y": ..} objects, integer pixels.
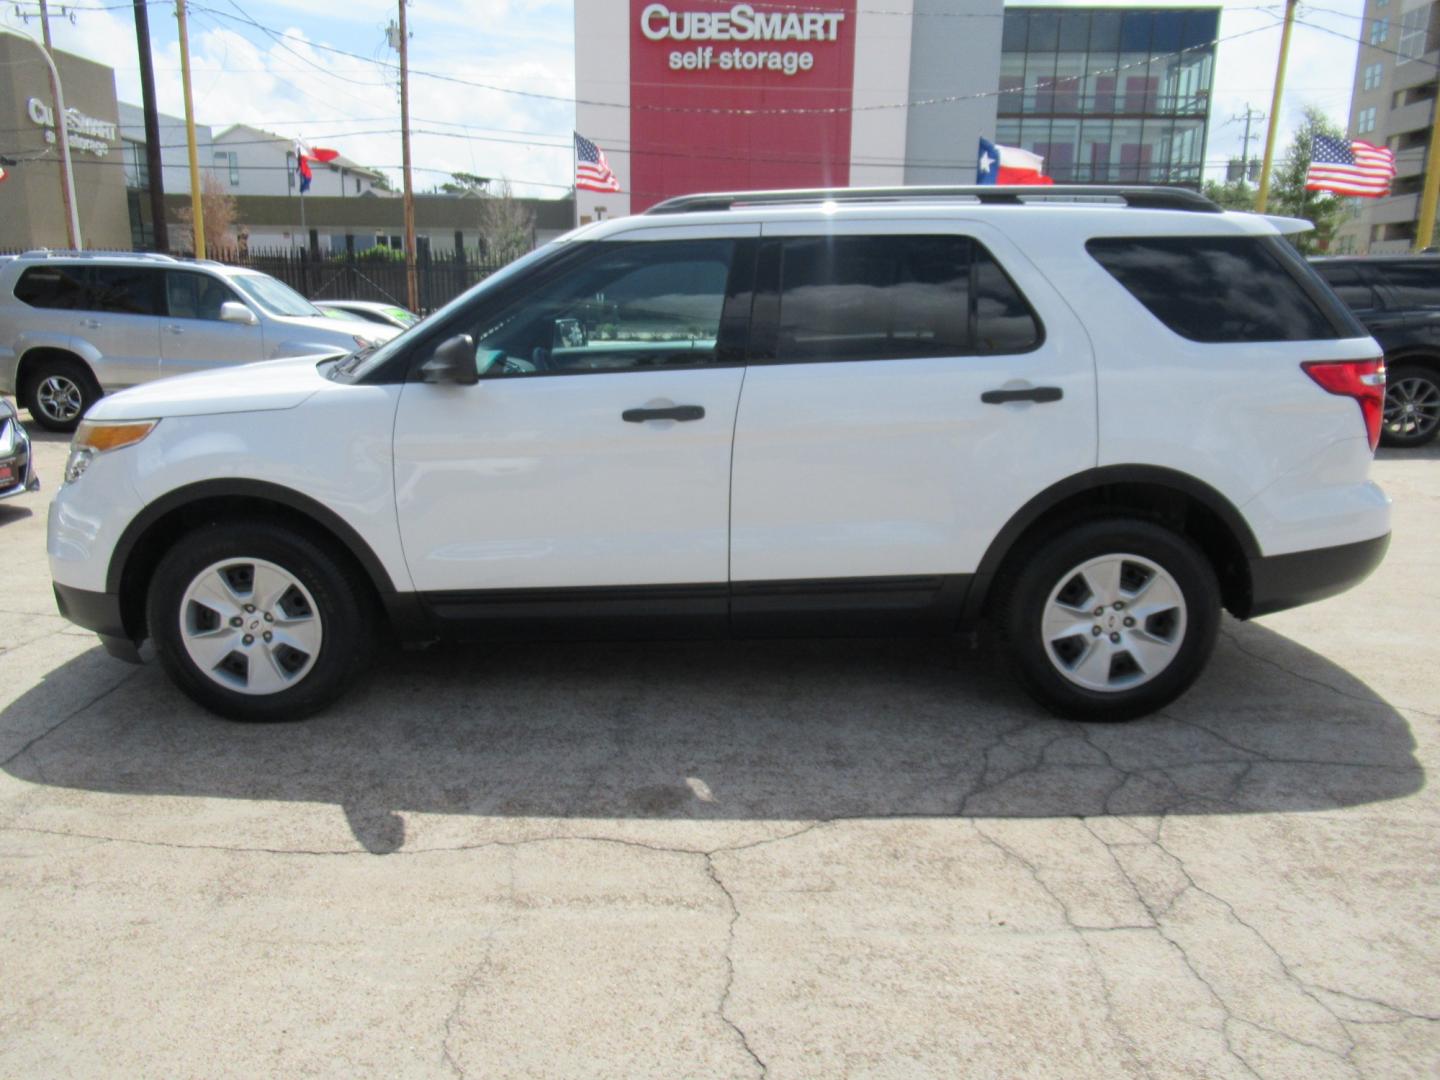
[
  {"x": 60, "y": 398},
  {"x": 1114, "y": 622},
  {"x": 1412, "y": 406},
  {"x": 250, "y": 626}
]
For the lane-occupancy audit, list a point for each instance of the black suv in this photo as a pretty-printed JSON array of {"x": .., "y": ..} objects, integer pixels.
[{"x": 1398, "y": 300}]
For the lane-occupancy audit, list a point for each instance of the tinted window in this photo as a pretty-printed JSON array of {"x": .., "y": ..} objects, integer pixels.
[
  {"x": 1415, "y": 285},
  {"x": 192, "y": 295},
  {"x": 634, "y": 305},
  {"x": 1216, "y": 288},
  {"x": 1348, "y": 284},
  {"x": 124, "y": 290},
  {"x": 896, "y": 297},
  {"x": 51, "y": 287}
]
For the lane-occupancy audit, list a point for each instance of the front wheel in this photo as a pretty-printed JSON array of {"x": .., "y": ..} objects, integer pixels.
[
  {"x": 258, "y": 622},
  {"x": 58, "y": 393},
  {"x": 1412, "y": 407},
  {"x": 1110, "y": 620}
]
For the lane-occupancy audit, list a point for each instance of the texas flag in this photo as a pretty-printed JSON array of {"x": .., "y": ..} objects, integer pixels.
[
  {"x": 1009, "y": 165},
  {"x": 306, "y": 154}
]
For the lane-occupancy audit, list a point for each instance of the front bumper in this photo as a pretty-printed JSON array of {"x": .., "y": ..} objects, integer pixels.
[
  {"x": 98, "y": 611},
  {"x": 17, "y": 459},
  {"x": 1278, "y": 582}
]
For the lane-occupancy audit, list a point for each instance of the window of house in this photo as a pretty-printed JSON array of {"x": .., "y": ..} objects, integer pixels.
[
  {"x": 1372, "y": 75},
  {"x": 1365, "y": 120},
  {"x": 1379, "y": 31},
  {"x": 1414, "y": 25}
]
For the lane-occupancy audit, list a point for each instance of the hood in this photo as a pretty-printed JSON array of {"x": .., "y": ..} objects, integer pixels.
[
  {"x": 322, "y": 330},
  {"x": 274, "y": 384}
]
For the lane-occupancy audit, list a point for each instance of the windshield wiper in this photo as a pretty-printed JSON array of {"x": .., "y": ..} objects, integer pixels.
[{"x": 347, "y": 364}]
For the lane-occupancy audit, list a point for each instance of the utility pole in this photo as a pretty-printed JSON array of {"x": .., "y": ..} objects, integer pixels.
[
  {"x": 412, "y": 284},
  {"x": 197, "y": 206},
  {"x": 154, "y": 161},
  {"x": 1249, "y": 115},
  {"x": 1264, "y": 195},
  {"x": 67, "y": 184}
]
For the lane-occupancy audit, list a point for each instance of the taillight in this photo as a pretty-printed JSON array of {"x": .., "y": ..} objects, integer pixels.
[{"x": 1363, "y": 380}]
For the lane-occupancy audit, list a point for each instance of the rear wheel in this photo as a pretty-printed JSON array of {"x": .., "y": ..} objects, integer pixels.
[
  {"x": 1111, "y": 619},
  {"x": 257, "y": 622},
  {"x": 1412, "y": 406},
  {"x": 58, "y": 391}
]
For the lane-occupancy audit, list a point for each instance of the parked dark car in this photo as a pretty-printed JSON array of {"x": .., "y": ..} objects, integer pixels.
[{"x": 1398, "y": 300}]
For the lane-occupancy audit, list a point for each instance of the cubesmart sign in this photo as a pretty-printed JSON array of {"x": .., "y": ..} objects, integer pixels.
[{"x": 710, "y": 81}]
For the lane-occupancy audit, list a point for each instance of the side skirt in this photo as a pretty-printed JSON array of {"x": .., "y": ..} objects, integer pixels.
[{"x": 844, "y": 607}]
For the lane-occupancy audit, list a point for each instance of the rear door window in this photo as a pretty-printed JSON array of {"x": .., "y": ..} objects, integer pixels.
[
  {"x": 1349, "y": 284},
  {"x": 52, "y": 287},
  {"x": 1219, "y": 289},
  {"x": 896, "y": 297},
  {"x": 124, "y": 290},
  {"x": 1414, "y": 285}
]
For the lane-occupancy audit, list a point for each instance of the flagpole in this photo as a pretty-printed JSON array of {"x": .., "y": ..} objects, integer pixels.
[{"x": 1262, "y": 198}]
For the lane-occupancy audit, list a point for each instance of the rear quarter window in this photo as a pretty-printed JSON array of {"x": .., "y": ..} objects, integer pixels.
[
  {"x": 1219, "y": 289},
  {"x": 51, "y": 287},
  {"x": 1415, "y": 285}
]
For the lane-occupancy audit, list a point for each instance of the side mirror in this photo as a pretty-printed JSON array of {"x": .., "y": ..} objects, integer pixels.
[
  {"x": 236, "y": 312},
  {"x": 453, "y": 361}
]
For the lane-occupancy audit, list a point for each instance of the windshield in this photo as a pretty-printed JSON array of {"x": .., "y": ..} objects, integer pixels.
[
  {"x": 274, "y": 296},
  {"x": 500, "y": 276}
]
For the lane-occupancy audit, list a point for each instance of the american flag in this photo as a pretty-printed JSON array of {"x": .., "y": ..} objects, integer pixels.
[
  {"x": 592, "y": 171},
  {"x": 1349, "y": 168}
]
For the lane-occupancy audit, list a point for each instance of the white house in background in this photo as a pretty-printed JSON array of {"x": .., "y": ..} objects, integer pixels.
[
  {"x": 174, "y": 157},
  {"x": 255, "y": 162}
]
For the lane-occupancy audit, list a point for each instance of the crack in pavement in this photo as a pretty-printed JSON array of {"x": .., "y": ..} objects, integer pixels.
[
  {"x": 70, "y": 716},
  {"x": 1277, "y": 665},
  {"x": 724, "y": 1005}
]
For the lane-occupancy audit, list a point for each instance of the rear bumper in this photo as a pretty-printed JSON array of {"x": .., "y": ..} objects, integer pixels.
[
  {"x": 1278, "y": 582},
  {"x": 100, "y": 612}
]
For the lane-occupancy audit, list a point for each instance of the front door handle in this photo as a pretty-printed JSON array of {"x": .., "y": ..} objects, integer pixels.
[
  {"x": 1040, "y": 394},
  {"x": 175, "y": 329},
  {"x": 674, "y": 412},
  {"x": 90, "y": 324}
]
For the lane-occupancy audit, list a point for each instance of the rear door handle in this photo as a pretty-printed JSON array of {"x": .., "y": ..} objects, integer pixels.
[
  {"x": 92, "y": 324},
  {"x": 175, "y": 329},
  {"x": 1040, "y": 394},
  {"x": 674, "y": 412}
]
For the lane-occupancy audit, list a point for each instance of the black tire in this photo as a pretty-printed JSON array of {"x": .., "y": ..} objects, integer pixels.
[
  {"x": 1025, "y": 595},
  {"x": 65, "y": 373},
  {"x": 342, "y": 602},
  {"x": 1418, "y": 387}
]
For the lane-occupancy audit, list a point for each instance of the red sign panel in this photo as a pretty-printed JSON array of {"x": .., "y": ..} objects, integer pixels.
[{"x": 710, "y": 83}]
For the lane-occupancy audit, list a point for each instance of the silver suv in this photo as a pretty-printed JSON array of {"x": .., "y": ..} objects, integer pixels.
[{"x": 75, "y": 326}]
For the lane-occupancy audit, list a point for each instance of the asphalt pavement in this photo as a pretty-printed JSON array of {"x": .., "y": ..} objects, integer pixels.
[{"x": 794, "y": 859}]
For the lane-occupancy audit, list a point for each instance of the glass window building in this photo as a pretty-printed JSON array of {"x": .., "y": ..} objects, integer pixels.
[{"x": 1109, "y": 95}]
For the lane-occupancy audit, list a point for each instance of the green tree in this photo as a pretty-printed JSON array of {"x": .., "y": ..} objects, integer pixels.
[
  {"x": 1232, "y": 195},
  {"x": 1288, "y": 196}
]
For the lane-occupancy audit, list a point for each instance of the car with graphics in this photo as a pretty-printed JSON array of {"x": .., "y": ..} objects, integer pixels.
[
  {"x": 74, "y": 326},
  {"x": 1092, "y": 418},
  {"x": 370, "y": 311},
  {"x": 17, "y": 461}
]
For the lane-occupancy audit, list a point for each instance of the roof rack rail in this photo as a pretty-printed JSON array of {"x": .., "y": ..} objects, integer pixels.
[
  {"x": 1149, "y": 198},
  {"x": 60, "y": 253}
]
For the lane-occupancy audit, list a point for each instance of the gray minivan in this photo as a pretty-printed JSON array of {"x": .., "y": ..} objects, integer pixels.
[{"x": 74, "y": 326}]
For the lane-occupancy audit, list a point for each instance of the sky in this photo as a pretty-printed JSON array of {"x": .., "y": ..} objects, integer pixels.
[{"x": 265, "y": 64}]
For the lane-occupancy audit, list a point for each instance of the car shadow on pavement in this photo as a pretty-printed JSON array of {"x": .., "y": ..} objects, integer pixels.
[{"x": 792, "y": 730}]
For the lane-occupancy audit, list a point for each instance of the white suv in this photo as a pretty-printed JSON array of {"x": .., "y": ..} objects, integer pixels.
[
  {"x": 1094, "y": 416},
  {"x": 74, "y": 326}
]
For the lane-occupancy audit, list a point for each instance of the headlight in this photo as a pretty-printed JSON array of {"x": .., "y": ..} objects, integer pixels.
[{"x": 94, "y": 437}]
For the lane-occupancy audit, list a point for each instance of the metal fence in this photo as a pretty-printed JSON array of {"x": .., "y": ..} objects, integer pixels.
[{"x": 349, "y": 276}]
